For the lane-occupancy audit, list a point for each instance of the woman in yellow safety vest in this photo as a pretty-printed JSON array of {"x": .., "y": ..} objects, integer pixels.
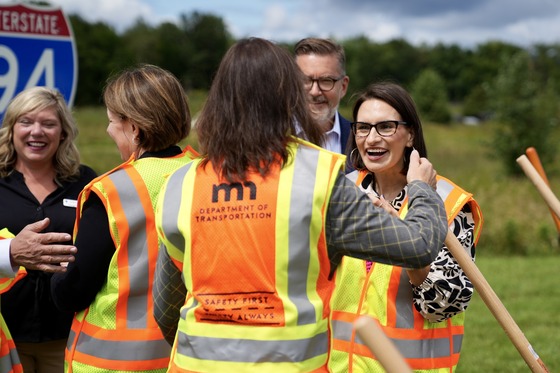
[
  {"x": 420, "y": 310},
  {"x": 256, "y": 226},
  {"x": 9, "y": 359},
  {"x": 110, "y": 283}
]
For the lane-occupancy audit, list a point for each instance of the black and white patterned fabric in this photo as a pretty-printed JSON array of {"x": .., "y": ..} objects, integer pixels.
[{"x": 446, "y": 291}]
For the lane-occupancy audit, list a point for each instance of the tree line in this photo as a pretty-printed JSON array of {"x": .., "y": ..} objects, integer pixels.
[{"x": 494, "y": 79}]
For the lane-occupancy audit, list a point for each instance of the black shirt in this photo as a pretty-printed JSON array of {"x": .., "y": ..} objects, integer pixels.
[
  {"x": 75, "y": 289},
  {"x": 28, "y": 307}
]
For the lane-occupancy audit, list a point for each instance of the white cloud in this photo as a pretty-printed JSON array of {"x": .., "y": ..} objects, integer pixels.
[
  {"x": 465, "y": 23},
  {"x": 274, "y": 16},
  {"x": 118, "y": 13}
]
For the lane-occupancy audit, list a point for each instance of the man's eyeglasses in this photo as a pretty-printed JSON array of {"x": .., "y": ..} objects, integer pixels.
[
  {"x": 325, "y": 84},
  {"x": 385, "y": 128}
]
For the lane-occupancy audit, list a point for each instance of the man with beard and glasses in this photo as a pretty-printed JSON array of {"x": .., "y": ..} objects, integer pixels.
[{"x": 323, "y": 62}]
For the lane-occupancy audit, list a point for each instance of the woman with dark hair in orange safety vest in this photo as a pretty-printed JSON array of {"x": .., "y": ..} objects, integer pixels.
[
  {"x": 255, "y": 228},
  {"x": 110, "y": 283},
  {"x": 420, "y": 310}
]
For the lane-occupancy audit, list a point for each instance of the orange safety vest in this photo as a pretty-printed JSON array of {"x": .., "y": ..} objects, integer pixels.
[
  {"x": 118, "y": 332},
  {"x": 255, "y": 262},
  {"x": 385, "y": 294},
  {"x": 9, "y": 359}
]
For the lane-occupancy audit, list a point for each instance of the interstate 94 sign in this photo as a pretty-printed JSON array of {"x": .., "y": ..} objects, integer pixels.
[{"x": 36, "y": 49}]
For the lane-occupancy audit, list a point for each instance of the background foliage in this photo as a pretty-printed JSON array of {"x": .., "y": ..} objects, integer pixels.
[
  {"x": 515, "y": 86},
  {"x": 512, "y": 90}
]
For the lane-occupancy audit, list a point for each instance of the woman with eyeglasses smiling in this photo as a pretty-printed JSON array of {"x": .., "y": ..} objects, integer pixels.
[{"x": 421, "y": 310}]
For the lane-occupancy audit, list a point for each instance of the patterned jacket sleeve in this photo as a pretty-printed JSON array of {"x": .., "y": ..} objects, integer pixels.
[
  {"x": 357, "y": 228},
  {"x": 169, "y": 294}
]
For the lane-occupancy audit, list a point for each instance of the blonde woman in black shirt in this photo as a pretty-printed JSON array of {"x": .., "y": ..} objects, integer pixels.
[{"x": 40, "y": 177}]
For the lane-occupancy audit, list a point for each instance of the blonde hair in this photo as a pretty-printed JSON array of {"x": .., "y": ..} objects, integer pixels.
[{"x": 66, "y": 160}]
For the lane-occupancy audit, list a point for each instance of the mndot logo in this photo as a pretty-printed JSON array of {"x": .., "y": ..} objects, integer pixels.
[{"x": 36, "y": 49}]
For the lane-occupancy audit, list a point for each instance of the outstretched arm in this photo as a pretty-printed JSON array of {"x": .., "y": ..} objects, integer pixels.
[
  {"x": 41, "y": 251},
  {"x": 356, "y": 227}
]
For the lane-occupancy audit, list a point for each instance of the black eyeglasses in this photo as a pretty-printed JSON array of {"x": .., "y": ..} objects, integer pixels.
[
  {"x": 385, "y": 128},
  {"x": 325, "y": 84}
]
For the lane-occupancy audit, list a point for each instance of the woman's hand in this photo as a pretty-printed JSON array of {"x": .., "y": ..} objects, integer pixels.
[{"x": 421, "y": 169}]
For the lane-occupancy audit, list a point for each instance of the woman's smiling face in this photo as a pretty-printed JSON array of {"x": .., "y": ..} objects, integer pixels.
[
  {"x": 382, "y": 154},
  {"x": 36, "y": 138}
]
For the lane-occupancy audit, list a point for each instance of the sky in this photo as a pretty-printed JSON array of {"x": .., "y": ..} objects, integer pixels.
[{"x": 463, "y": 22}]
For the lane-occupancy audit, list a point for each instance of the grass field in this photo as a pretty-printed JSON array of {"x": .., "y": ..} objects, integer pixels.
[
  {"x": 518, "y": 251},
  {"x": 527, "y": 288}
]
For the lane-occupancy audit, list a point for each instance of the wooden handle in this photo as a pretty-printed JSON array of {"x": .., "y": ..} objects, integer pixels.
[
  {"x": 542, "y": 187},
  {"x": 494, "y": 304},
  {"x": 380, "y": 345},
  {"x": 536, "y": 162}
]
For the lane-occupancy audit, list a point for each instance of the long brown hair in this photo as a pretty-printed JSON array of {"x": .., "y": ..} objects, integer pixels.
[{"x": 255, "y": 103}]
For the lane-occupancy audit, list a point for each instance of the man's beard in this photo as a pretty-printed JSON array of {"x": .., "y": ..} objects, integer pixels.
[{"x": 324, "y": 117}]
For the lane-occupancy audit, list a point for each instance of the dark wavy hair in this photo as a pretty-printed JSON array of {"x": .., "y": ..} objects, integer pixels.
[
  {"x": 256, "y": 102},
  {"x": 400, "y": 100}
]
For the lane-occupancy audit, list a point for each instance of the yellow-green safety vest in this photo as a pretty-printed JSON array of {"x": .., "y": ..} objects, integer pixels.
[
  {"x": 385, "y": 294},
  {"x": 118, "y": 331},
  {"x": 9, "y": 359}
]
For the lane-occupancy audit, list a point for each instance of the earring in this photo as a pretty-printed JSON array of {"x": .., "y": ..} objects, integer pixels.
[
  {"x": 136, "y": 141},
  {"x": 355, "y": 159},
  {"x": 352, "y": 154}
]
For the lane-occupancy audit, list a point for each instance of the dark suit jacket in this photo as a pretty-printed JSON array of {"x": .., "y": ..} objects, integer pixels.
[{"x": 345, "y": 132}]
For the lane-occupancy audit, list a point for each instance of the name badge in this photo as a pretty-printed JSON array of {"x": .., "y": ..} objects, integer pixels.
[{"x": 70, "y": 202}]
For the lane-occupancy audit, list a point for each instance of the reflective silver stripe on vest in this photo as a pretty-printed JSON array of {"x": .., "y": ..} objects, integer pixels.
[
  {"x": 137, "y": 250},
  {"x": 409, "y": 348},
  {"x": 172, "y": 205},
  {"x": 427, "y": 348},
  {"x": 342, "y": 330},
  {"x": 251, "y": 350},
  {"x": 444, "y": 188},
  {"x": 70, "y": 340},
  {"x": 353, "y": 176},
  {"x": 405, "y": 315},
  {"x": 123, "y": 350},
  {"x": 457, "y": 343},
  {"x": 8, "y": 361},
  {"x": 301, "y": 209}
]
